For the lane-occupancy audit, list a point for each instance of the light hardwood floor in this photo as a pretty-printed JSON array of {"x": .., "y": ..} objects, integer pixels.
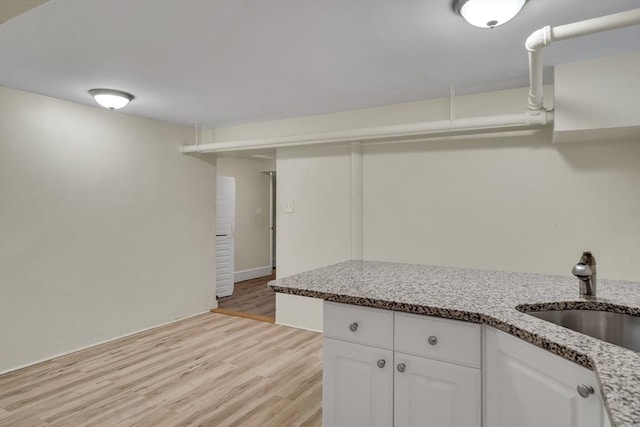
[
  {"x": 251, "y": 296},
  {"x": 209, "y": 370}
]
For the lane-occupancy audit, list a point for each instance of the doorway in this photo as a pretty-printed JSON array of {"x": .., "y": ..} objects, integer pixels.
[
  {"x": 273, "y": 209},
  {"x": 254, "y": 238}
]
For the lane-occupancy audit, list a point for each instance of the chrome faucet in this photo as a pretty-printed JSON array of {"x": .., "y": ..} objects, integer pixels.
[{"x": 585, "y": 271}]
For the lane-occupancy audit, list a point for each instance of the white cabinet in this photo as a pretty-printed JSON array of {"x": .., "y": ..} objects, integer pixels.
[
  {"x": 385, "y": 368},
  {"x": 526, "y": 386},
  {"x": 362, "y": 381},
  {"x": 431, "y": 388},
  {"x": 432, "y": 393},
  {"x": 357, "y": 385}
]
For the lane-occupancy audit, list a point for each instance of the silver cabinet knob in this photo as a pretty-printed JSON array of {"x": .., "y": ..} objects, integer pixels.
[
  {"x": 401, "y": 367},
  {"x": 585, "y": 390},
  {"x": 353, "y": 327},
  {"x": 432, "y": 340},
  {"x": 381, "y": 363}
]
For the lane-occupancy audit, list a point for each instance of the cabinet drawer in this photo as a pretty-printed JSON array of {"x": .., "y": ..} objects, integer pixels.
[
  {"x": 442, "y": 339},
  {"x": 363, "y": 325}
]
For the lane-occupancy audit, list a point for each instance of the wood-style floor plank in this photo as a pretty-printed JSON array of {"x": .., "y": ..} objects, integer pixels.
[
  {"x": 253, "y": 297},
  {"x": 209, "y": 370}
]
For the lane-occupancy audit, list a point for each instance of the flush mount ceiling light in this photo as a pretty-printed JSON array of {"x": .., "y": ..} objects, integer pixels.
[
  {"x": 488, "y": 13},
  {"x": 110, "y": 98}
]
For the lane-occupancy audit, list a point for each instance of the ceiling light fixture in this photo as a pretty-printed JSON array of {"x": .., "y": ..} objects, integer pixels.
[
  {"x": 488, "y": 13},
  {"x": 110, "y": 98}
]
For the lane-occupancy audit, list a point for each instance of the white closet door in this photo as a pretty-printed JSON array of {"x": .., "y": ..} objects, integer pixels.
[
  {"x": 225, "y": 205},
  {"x": 224, "y": 266},
  {"x": 225, "y": 213}
]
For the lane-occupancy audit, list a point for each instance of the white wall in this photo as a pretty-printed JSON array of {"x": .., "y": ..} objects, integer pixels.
[
  {"x": 105, "y": 228},
  {"x": 252, "y": 229},
  {"x": 317, "y": 233},
  {"x": 517, "y": 203}
]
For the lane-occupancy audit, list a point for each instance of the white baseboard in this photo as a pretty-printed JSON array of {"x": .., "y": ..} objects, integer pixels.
[
  {"x": 66, "y": 353},
  {"x": 253, "y": 273},
  {"x": 299, "y": 327}
]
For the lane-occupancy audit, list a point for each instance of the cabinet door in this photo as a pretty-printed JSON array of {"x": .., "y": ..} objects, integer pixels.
[
  {"x": 357, "y": 387},
  {"x": 527, "y": 386},
  {"x": 438, "y": 394}
]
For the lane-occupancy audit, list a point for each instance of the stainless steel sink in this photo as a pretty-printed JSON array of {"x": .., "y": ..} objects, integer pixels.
[{"x": 615, "y": 328}]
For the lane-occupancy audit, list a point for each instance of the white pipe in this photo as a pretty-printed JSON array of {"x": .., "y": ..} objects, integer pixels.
[
  {"x": 518, "y": 133},
  {"x": 535, "y": 116},
  {"x": 546, "y": 35},
  {"x": 414, "y": 130}
]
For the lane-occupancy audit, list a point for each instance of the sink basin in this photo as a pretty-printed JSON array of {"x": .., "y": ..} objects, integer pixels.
[{"x": 615, "y": 328}]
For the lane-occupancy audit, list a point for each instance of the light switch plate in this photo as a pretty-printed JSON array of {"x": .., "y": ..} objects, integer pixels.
[{"x": 288, "y": 207}]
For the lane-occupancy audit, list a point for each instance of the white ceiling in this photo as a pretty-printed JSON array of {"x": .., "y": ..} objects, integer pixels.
[{"x": 228, "y": 62}]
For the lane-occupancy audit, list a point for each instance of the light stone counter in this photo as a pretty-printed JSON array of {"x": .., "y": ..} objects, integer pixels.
[{"x": 491, "y": 297}]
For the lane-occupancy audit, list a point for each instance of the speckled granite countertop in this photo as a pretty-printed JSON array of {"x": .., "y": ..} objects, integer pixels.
[{"x": 491, "y": 297}]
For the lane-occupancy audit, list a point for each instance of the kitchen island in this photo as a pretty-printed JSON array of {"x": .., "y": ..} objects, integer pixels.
[{"x": 491, "y": 298}]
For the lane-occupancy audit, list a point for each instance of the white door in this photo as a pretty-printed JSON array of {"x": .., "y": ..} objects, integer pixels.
[
  {"x": 530, "y": 387},
  {"x": 438, "y": 394},
  {"x": 357, "y": 385},
  {"x": 224, "y": 266},
  {"x": 225, "y": 213}
]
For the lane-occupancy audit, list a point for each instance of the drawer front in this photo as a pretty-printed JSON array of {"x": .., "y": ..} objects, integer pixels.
[
  {"x": 441, "y": 339},
  {"x": 363, "y": 325}
]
